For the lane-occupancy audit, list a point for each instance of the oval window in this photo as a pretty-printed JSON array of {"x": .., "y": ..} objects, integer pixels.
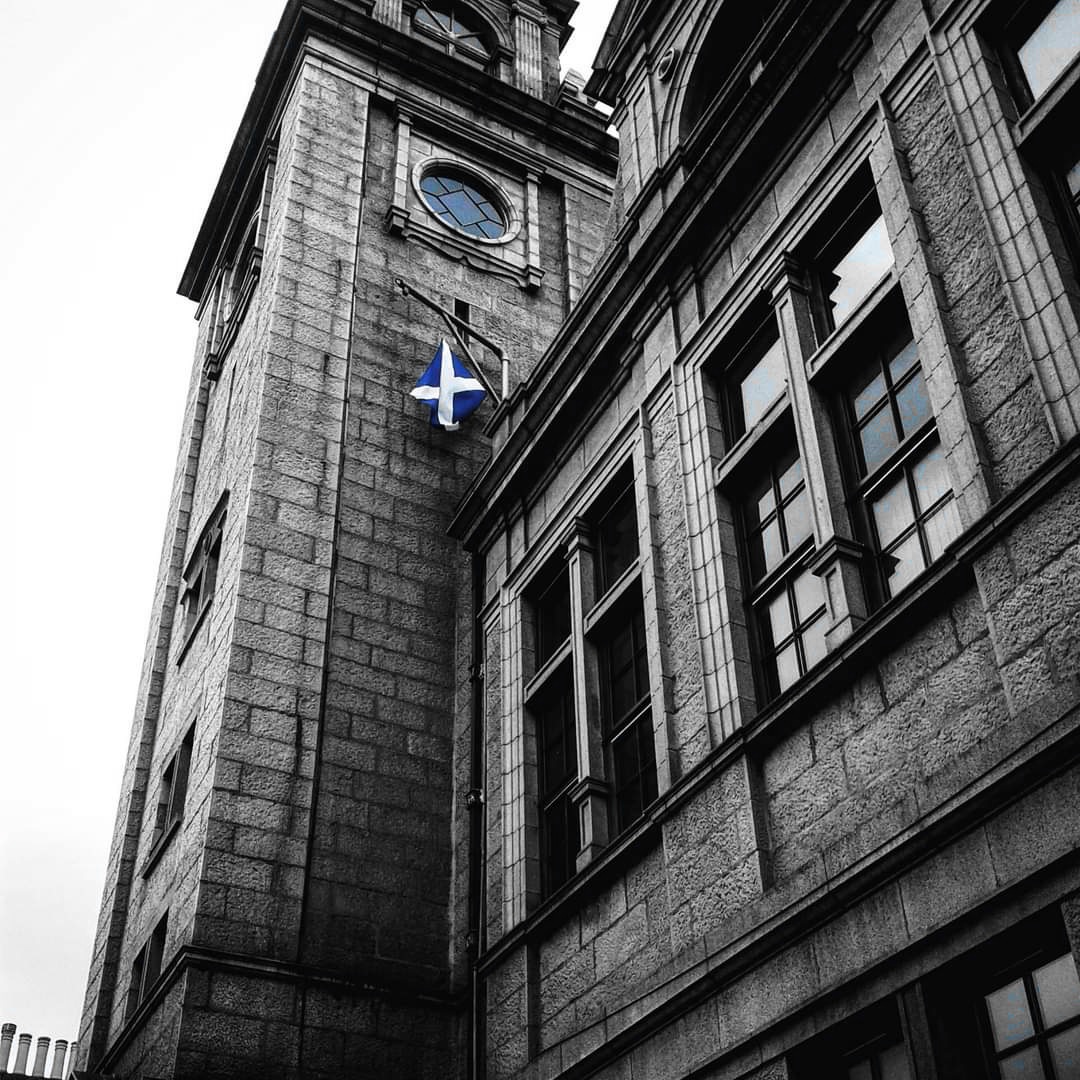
[{"x": 464, "y": 204}]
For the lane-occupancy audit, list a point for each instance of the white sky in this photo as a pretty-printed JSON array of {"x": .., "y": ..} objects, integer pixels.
[{"x": 117, "y": 119}]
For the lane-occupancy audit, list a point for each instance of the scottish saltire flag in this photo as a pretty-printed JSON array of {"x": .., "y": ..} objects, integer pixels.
[{"x": 448, "y": 390}]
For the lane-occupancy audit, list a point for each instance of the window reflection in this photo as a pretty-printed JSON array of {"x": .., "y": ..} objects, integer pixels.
[{"x": 1051, "y": 47}]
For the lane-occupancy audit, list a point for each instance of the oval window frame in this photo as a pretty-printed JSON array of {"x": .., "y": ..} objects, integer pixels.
[{"x": 498, "y": 198}]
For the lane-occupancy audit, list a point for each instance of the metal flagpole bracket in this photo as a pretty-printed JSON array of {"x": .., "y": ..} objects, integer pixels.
[{"x": 459, "y": 328}]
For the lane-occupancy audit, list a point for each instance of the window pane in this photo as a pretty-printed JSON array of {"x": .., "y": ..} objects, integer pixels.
[
  {"x": 1052, "y": 46},
  {"x": 787, "y": 667},
  {"x": 860, "y": 270},
  {"x": 561, "y": 840},
  {"x": 762, "y": 502},
  {"x": 763, "y": 385},
  {"x": 893, "y": 512},
  {"x": 790, "y": 478},
  {"x": 767, "y": 552},
  {"x": 903, "y": 362},
  {"x": 894, "y": 1063},
  {"x": 552, "y": 619},
  {"x": 813, "y": 639},
  {"x": 1058, "y": 990},
  {"x": 635, "y": 771},
  {"x": 942, "y": 529},
  {"x": 913, "y": 404},
  {"x": 868, "y": 391},
  {"x": 780, "y": 617},
  {"x": 931, "y": 478},
  {"x": 809, "y": 595},
  {"x": 878, "y": 439},
  {"x": 558, "y": 749},
  {"x": 1010, "y": 1018},
  {"x": 1065, "y": 1052},
  {"x": 860, "y": 1071},
  {"x": 618, "y": 540},
  {"x": 1023, "y": 1066},
  {"x": 797, "y": 520},
  {"x": 909, "y": 564}
]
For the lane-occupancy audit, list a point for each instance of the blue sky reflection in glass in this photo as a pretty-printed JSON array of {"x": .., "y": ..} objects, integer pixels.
[{"x": 462, "y": 206}]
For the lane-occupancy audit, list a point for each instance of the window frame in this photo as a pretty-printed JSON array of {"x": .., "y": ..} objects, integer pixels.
[
  {"x": 146, "y": 968},
  {"x": 637, "y": 717},
  {"x": 760, "y": 591},
  {"x": 749, "y": 343},
  {"x": 172, "y": 799},
  {"x": 200, "y": 573},
  {"x": 886, "y": 326},
  {"x": 451, "y": 42},
  {"x": 836, "y": 231},
  {"x": 557, "y": 795},
  {"x": 608, "y": 595},
  {"x": 1023, "y": 971},
  {"x": 1045, "y": 128}
]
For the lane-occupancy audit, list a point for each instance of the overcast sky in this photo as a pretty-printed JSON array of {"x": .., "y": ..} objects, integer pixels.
[{"x": 118, "y": 116}]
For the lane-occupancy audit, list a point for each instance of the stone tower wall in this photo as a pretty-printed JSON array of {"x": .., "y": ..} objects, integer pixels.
[{"x": 317, "y": 892}]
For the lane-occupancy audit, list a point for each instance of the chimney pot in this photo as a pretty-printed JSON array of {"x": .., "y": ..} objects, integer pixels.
[
  {"x": 41, "y": 1055},
  {"x": 7, "y": 1036},
  {"x": 22, "y": 1053},
  {"x": 59, "y": 1050}
]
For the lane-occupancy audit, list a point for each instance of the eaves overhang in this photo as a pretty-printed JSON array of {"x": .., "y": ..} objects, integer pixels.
[
  {"x": 351, "y": 25},
  {"x": 625, "y": 33}
]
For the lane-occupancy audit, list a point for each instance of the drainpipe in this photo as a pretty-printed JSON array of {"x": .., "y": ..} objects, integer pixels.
[{"x": 474, "y": 800}]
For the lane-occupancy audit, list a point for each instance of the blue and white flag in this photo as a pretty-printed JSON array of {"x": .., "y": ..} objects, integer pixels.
[{"x": 448, "y": 389}]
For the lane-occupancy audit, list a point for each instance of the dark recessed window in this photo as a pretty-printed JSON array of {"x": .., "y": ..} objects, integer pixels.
[
  {"x": 463, "y": 204},
  {"x": 869, "y": 1046},
  {"x": 172, "y": 795},
  {"x": 617, "y": 539},
  {"x": 200, "y": 576},
  {"x": 628, "y": 718},
  {"x": 551, "y": 609},
  {"x": 146, "y": 968},
  {"x": 557, "y": 752},
  {"x": 457, "y": 29}
]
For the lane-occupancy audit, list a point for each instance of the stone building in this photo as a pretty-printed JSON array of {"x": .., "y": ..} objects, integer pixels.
[{"x": 708, "y": 707}]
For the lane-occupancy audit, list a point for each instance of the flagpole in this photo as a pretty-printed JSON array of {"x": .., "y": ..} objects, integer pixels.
[{"x": 458, "y": 328}]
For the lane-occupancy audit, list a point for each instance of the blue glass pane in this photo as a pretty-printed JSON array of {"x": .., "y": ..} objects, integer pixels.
[
  {"x": 913, "y": 403},
  {"x": 1065, "y": 1050},
  {"x": 1023, "y": 1066},
  {"x": 763, "y": 385},
  {"x": 1010, "y": 1017},
  {"x": 463, "y": 206},
  {"x": 878, "y": 439},
  {"x": 903, "y": 362},
  {"x": 1058, "y": 990}
]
